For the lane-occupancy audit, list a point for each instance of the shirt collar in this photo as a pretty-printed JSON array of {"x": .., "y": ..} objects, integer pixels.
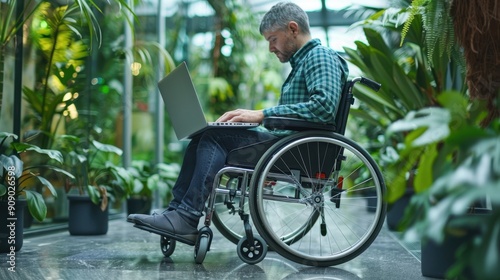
[{"x": 301, "y": 53}]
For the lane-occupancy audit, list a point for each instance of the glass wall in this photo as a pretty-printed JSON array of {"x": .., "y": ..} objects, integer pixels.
[{"x": 97, "y": 85}]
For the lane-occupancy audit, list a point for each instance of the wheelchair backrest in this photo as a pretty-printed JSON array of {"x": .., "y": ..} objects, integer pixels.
[{"x": 347, "y": 99}]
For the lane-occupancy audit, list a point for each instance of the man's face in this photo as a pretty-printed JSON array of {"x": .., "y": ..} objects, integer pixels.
[{"x": 281, "y": 43}]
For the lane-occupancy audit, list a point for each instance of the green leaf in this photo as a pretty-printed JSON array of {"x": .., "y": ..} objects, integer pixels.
[
  {"x": 414, "y": 9},
  {"x": 424, "y": 177},
  {"x": 66, "y": 138},
  {"x": 376, "y": 41},
  {"x": 457, "y": 105},
  {"x": 59, "y": 170},
  {"x": 3, "y": 190},
  {"x": 168, "y": 171},
  {"x": 48, "y": 184},
  {"x": 9, "y": 162},
  {"x": 379, "y": 100},
  {"x": 407, "y": 91},
  {"x": 138, "y": 186},
  {"x": 363, "y": 114},
  {"x": 4, "y": 134},
  {"x": 36, "y": 205},
  {"x": 94, "y": 194},
  {"x": 153, "y": 181},
  {"x": 397, "y": 176},
  {"x": 53, "y": 154},
  {"x": 488, "y": 252},
  {"x": 163, "y": 189},
  {"x": 78, "y": 157},
  {"x": 436, "y": 121},
  {"x": 355, "y": 58},
  {"x": 107, "y": 148}
]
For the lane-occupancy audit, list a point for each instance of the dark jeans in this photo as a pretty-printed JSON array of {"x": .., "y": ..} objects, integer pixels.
[{"x": 205, "y": 156}]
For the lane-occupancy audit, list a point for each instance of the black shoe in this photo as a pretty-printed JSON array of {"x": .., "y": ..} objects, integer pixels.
[
  {"x": 132, "y": 217},
  {"x": 171, "y": 222}
]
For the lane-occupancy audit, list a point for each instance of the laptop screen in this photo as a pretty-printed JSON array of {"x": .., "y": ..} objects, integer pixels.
[{"x": 182, "y": 104}]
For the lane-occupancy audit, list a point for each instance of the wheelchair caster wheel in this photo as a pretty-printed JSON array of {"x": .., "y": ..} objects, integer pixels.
[
  {"x": 167, "y": 245},
  {"x": 202, "y": 245},
  {"x": 252, "y": 253}
]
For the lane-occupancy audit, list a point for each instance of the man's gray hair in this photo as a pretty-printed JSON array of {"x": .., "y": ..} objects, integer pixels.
[{"x": 278, "y": 17}]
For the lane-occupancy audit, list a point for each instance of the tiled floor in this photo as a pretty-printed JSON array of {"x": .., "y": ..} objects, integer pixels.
[{"x": 129, "y": 253}]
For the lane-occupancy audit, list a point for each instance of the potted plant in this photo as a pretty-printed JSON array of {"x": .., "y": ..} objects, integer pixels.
[
  {"x": 76, "y": 17},
  {"x": 62, "y": 35},
  {"x": 149, "y": 179},
  {"x": 411, "y": 80},
  {"x": 461, "y": 163},
  {"x": 457, "y": 182},
  {"x": 98, "y": 180},
  {"x": 21, "y": 184}
]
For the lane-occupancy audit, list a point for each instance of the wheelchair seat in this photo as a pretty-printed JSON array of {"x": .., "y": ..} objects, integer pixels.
[{"x": 248, "y": 156}]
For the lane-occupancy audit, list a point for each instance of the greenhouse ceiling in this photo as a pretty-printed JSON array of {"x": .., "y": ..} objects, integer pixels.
[{"x": 328, "y": 18}]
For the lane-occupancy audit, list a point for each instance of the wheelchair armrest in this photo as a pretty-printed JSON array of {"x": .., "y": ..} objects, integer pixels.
[{"x": 286, "y": 123}]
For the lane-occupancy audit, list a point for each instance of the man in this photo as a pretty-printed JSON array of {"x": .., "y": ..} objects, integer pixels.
[{"x": 311, "y": 92}]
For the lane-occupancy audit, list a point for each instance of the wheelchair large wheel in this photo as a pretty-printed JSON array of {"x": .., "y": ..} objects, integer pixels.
[{"x": 329, "y": 180}]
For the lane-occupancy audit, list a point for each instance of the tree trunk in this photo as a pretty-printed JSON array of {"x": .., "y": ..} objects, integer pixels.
[{"x": 477, "y": 27}]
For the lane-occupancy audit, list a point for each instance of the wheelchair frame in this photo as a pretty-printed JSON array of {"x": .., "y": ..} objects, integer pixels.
[{"x": 300, "y": 175}]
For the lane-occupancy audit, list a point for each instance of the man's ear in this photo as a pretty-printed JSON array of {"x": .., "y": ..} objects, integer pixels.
[{"x": 293, "y": 27}]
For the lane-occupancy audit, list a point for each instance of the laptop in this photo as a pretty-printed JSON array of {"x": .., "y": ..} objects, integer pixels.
[{"x": 184, "y": 108}]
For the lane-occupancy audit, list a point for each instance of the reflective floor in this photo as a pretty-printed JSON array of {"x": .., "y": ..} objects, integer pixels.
[{"x": 126, "y": 252}]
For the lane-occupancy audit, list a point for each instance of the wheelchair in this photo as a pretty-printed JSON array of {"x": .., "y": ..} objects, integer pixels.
[{"x": 315, "y": 197}]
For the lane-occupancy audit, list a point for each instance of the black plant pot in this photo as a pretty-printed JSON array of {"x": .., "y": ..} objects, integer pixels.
[
  {"x": 397, "y": 210},
  {"x": 139, "y": 205},
  {"x": 28, "y": 218},
  {"x": 85, "y": 217},
  {"x": 12, "y": 226},
  {"x": 438, "y": 258}
]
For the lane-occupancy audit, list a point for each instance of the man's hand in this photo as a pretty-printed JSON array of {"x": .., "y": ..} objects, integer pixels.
[{"x": 242, "y": 115}]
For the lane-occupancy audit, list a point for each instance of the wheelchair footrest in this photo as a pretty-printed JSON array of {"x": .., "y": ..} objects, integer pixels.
[{"x": 166, "y": 234}]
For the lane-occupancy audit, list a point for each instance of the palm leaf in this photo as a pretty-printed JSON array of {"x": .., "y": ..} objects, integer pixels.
[
  {"x": 363, "y": 114},
  {"x": 87, "y": 7},
  {"x": 7, "y": 28},
  {"x": 376, "y": 101}
]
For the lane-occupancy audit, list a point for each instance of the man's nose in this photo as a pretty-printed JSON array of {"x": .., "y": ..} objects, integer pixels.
[{"x": 271, "y": 48}]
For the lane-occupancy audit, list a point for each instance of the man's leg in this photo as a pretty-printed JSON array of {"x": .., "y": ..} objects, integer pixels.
[
  {"x": 211, "y": 153},
  {"x": 183, "y": 180},
  {"x": 185, "y": 175}
]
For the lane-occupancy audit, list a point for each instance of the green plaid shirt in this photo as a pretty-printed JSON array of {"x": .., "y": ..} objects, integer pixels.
[{"x": 312, "y": 89}]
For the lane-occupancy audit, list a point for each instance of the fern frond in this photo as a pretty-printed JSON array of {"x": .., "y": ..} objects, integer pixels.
[
  {"x": 415, "y": 8},
  {"x": 439, "y": 31}
]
